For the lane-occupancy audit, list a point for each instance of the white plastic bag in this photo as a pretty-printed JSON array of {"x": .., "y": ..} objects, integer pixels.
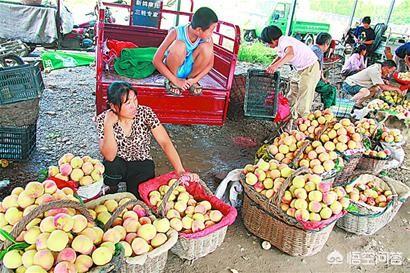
[
  {"x": 230, "y": 188},
  {"x": 397, "y": 155}
]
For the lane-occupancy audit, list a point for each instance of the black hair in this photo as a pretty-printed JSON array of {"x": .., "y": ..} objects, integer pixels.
[
  {"x": 323, "y": 38},
  {"x": 204, "y": 17},
  {"x": 117, "y": 91},
  {"x": 389, "y": 63},
  {"x": 366, "y": 20},
  {"x": 271, "y": 33},
  {"x": 360, "y": 48}
]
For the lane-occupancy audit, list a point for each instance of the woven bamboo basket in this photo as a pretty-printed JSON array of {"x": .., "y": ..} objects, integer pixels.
[
  {"x": 372, "y": 164},
  {"x": 152, "y": 262},
  {"x": 192, "y": 249},
  {"x": 272, "y": 205},
  {"x": 368, "y": 220},
  {"x": 350, "y": 165},
  {"x": 287, "y": 238},
  {"x": 113, "y": 266}
]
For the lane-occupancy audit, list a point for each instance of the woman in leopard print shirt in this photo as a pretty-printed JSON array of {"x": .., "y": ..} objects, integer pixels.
[{"x": 124, "y": 133}]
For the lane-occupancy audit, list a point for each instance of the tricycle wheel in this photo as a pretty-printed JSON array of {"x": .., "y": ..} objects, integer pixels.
[
  {"x": 309, "y": 39},
  {"x": 10, "y": 60}
]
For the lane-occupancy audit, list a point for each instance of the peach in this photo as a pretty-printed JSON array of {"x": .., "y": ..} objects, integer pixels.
[
  {"x": 159, "y": 240},
  {"x": 3, "y": 221},
  {"x": 59, "y": 195},
  {"x": 127, "y": 248},
  {"x": 315, "y": 206},
  {"x": 100, "y": 208},
  {"x": 99, "y": 167},
  {"x": 86, "y": 180},
  {"x": 47, "y": 224},
  {"x": 82, "y": 244},
  {"x": 301, "y": 204},
  {"x": 329, "y": 197},
  {"x": 187, "y": 222},
  {"x": 172, "y": 213},
  {"x": 184, "y": 196},
  {"x": 80, "y": 223},
  {"x": 199, "y": 216},
  {"x": 140, "y": 211},
  {"x": 17, "y": 190},
  {"x": 131, "y": 236},
  {"x": 44, "y": 199},
  {"x": 131, "y": 224},
  {"x": 111, "y": 205},
  {"x": 50, "y": 186},
  {"x": 76, "y": 162},
  {"x": 130, "y": 214},
  {"x": 104, "y": 217},
  {"x": 110, "y": 246},
  {"x": 140, "y": 246},
  {"x": 24, "y": 200},
  {"x": 87, "y": 168},
  {"x": 314, "y": 217},
  {"x": 13, "y": 216},
  {"x": 112, "y": 235},
  {"x": 44, "y": 258},
  {"x": 298, "y": 181},
  {"x": 7, "y": 228},
  {"x": 28, "y": 257},
  {"x": 57, "y": 240},
  {"x": 67, "y": 254},
  {"x": 200, "y": 209},
  {"x": 315, "y": 196},
  {"x": 162, "y": 225},
  {"x": 41, "y": 241},
  {"x": 190, "y": 210},
  {"x": 10, "y": 202},
  {"x": 176, "y": 224},
  {"x": 53, "y": 171},
  {"x": 145, "y": 220},
  {"x": 76, "y": 174},
  {"x": 83, "y": 263},
  {"x": 65, "y": 267},
  {"x": 96, "y": 234},
  {"x": 300, "y": 193},
  {"x": 147, "y": 232},
  {"x": 12, "y": 259},
  {"x": 197, "y": 225},
  {"x": 117, "y": 222},
  {"x": 325, "y": 213},
  {"x": 302, "y": 214},
  {"x": 121, "y": 231},
  {"x": 180, "y": 206},
  {"x": 66, "y": 158},
  {"x": 65, "y": 169},
  {"x": 62, "y": 177},
  {"x": 336, "y": 207},
  {"x": 102, "y": 256},
  {"x": 31, "y": 235},
  {"x": 215, "y": 216},
  {"x": 96, "y": 175},
  {"x": 63, "y": 222}
]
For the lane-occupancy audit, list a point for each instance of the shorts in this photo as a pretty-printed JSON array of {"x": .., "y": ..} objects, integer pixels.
[
  {"x": 351, "y": 90},
  {"x": 186, "y": 68}
]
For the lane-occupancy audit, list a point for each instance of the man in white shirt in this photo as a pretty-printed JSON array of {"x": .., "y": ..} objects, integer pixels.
[
  {"x": 366, "y": 83},
  {"x": 302, "y": 58}
]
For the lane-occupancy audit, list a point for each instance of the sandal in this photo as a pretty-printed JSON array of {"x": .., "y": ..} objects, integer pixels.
[
  {"x": 172, "y": 89},
  {"x": 195, "y": 89}
]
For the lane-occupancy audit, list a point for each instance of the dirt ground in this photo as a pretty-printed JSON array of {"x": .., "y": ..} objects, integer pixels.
[{"x": 65, "y": 125}]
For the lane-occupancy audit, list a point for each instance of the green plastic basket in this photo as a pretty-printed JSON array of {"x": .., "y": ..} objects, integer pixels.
[
  {"x": 17, "y": 143},
  {"x": 261, "y": 96},
  {"x": 20, "y": 83}
]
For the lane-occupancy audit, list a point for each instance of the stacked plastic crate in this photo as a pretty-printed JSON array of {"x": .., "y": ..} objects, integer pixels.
[{"x": 20, "y": 90}]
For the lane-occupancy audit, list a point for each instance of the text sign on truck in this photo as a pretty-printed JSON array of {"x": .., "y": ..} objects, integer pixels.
[{"x": 146, "y": 13}]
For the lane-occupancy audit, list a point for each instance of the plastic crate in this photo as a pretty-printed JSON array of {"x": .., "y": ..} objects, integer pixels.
[
  {"x": 17, "y": 143},
  {"x": 20, "y": 83},
  {"x": 261, "y": 96},
  {"x": 343, "y": 108}
]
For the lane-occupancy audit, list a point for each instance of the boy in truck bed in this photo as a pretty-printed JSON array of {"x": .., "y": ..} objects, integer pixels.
[{"x": 186, "y": 55}]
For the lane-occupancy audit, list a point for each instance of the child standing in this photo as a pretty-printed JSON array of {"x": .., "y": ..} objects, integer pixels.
[{"x": 186, "y": 55}]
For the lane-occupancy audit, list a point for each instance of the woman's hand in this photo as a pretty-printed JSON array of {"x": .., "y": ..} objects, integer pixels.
[
  {"x": 111, "y": 118},
  {"x": 272, "y": 68},
  {"x": 192, "y": 177}
]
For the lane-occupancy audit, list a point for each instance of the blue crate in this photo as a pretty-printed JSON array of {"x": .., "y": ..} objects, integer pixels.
[
  {"x": 20, "y": 83},
  {"x": 261, "y": 95},
  {"x": 17, "y": 143}
]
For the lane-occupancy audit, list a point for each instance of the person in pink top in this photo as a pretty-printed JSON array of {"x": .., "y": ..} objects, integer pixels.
[
  {"x": 301, "y": 57},
  {"x": 356, "y": 62}
]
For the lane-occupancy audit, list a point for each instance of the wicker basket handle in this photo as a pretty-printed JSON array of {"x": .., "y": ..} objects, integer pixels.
[
  {"x": 279, "y": 194},
  {"x": 121, "y": 208},
  {"x": 21, "y": 225},
  {"x": 182, "y": 179},
  {"x": 300, "y": 151}
]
